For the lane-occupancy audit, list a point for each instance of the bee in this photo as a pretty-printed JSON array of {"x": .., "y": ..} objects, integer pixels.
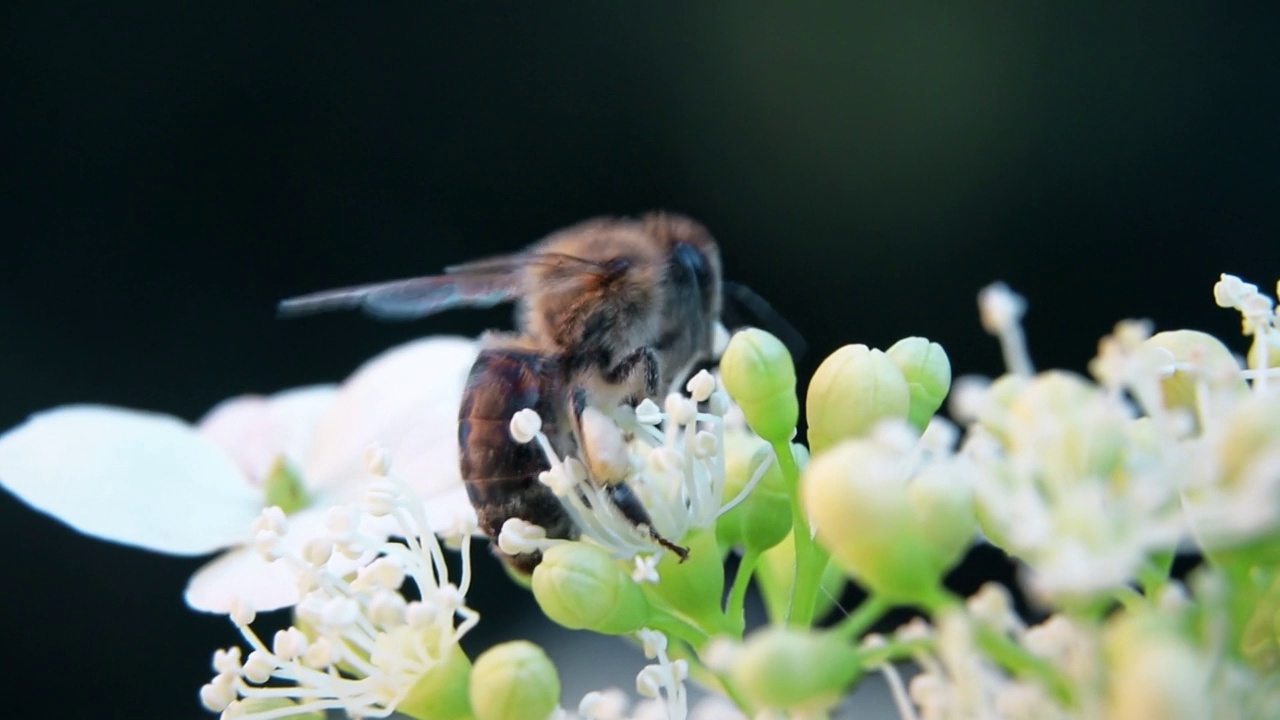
[{"x": 609, "y": 310}]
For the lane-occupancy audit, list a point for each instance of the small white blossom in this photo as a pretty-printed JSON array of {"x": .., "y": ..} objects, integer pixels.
[
  {"x": 384, "y": 643},
  {"x": 156, "y": 482},
  {"x": 674, "y": 463}
]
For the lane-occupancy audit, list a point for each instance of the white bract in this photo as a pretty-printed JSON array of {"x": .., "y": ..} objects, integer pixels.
[{"x": 156, "y": 482}]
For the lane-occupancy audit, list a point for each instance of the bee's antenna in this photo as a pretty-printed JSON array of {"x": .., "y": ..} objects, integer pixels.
[{"x": 768, "y": 318}]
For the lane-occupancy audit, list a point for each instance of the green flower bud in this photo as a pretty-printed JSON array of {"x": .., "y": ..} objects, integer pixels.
[
  {"x": 894, "y": 533},
  {"x": 441, "y": 694},
  {"x": 788, "y": 668},
  {"x": 514, "y": 681},
  {"x": 852, "y": 390},
  {"x": 1154, "y": 672},
  {"x": 758, "y": 373},
  {"x": 695, "y": 587},
  {"x": 1215, "y": 364},
  {"x": 582, "y": 588},
  {"x": 928, "y": 372},
  {"x": 1252, "y": 433},
  {"x": 763, "y": 518}
]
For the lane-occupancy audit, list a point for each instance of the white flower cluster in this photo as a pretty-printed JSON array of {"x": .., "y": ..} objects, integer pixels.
[
  {"x": 957, "y": 681},
  {"x": 358, "y": 645},
  {"x": 673, "y": 460},
  {"x": 1086, "y": 482}
]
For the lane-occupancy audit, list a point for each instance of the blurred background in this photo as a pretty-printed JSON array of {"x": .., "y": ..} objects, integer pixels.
[{"x": 170, "y": 171}]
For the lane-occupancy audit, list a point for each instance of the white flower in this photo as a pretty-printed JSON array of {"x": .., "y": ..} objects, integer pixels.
[
  {"x": 674, "y": 462},
  {"x": 156, "y": 482},
  {"x": 361, "y": 646}
]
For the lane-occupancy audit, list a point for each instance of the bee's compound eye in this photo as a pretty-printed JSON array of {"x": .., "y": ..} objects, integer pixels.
[{"x": 693, "y": 260}]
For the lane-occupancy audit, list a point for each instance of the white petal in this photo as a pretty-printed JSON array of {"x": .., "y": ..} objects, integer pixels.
[
  {"x": 405, "y": 400},
  {"x": 256, "y": 430},
  {"x": 243, "y": 573},
  {"x": 136, "y": 478}
]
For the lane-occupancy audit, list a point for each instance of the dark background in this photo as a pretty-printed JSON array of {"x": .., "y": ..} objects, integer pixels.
[{"x": 170, "y": 172}]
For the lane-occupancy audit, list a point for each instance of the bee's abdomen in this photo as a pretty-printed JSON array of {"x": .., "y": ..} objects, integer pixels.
[{"x": 501, "y": 475}]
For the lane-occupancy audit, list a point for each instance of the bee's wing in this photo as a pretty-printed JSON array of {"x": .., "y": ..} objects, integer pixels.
[
  {"x": 411, "y": 298},
  {"x": 513, "y": 264}
]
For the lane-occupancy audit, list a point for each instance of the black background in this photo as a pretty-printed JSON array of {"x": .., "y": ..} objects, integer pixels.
[{"x": 171, "y": 171}]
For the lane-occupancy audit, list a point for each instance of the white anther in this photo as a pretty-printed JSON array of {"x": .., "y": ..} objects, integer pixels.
[
  {"x": 719, "y": 339},
  {"x": 267, "y": 544},
  {"x": 386, "y": 609},
  {"x": 317, "y": 551},
  {"x": 420, "y": 615},
  {"x": 654, "y": 642},
  {"x": 382, "y": 573},
  {"x": 999, "y": 307},
  {"x": 321, "y": 654},
  {"x": 270, "y": 519},
  {"x": 218, "y": 694},
  {"x": 680, "y": 409},
  {"x": 381, "y": 497},
  {"x": 608, "y": 704},
  {"x": 307, "y": 579},
  {"x": 605, "y": 448},
  {"x": 701, "y": 386},
  {"x": 650, "y": 680},
  {"x": 242, "y": 613},
  {"x": 525, "y": 425},
  {"x": 289, "y": 643},
  {"x": 259, "y": 666},
  {"x": 705, "y": 444},
  {"x": 227, "y": 660},
  {"x": 648, "y": 412},
  {"x": 377, "y": 460},
  {"x": 340, "y": 612},
  {"x": 518, "y": 536},
  {"x": 556, "y": 480}
]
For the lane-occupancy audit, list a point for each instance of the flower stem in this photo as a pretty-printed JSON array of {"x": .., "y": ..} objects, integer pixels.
[
  {"x": 735, "y": 610},
  {"x": 809, "y": 559},
  {"x": 1020, "y": 661},
  {"x": 859, "y": 620},
  {"x": 673, "y": 625}
]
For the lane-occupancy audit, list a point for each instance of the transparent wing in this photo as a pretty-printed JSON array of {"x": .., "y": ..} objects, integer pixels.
[
  {"x": 411, "y": 298},
  {"x": 515, "y": 263}
]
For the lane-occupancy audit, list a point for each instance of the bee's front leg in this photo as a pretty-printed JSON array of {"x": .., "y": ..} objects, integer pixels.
[{"x": 640, "y": 365}]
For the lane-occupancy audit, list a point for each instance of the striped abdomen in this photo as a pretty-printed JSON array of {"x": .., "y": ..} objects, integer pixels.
[{"x": 501, "y": 475}]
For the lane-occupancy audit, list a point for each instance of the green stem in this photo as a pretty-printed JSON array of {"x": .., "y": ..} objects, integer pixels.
[
  {"x": 1154, "y": 575},
  {"x": 1021, "y": 662},
  {"x": 735, "y": 607},
  {"x": 854, "y": 624},
  {"x": 699, "y": 671},
  {"x": 675, "y": 626},
  {"x": 809, "y": 560},
  {"x": 1008, "y": 653},
  {"x": 894, "y": 650}
]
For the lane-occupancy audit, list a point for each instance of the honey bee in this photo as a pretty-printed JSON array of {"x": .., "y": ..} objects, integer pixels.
[{"x": 608, "y": 310}]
